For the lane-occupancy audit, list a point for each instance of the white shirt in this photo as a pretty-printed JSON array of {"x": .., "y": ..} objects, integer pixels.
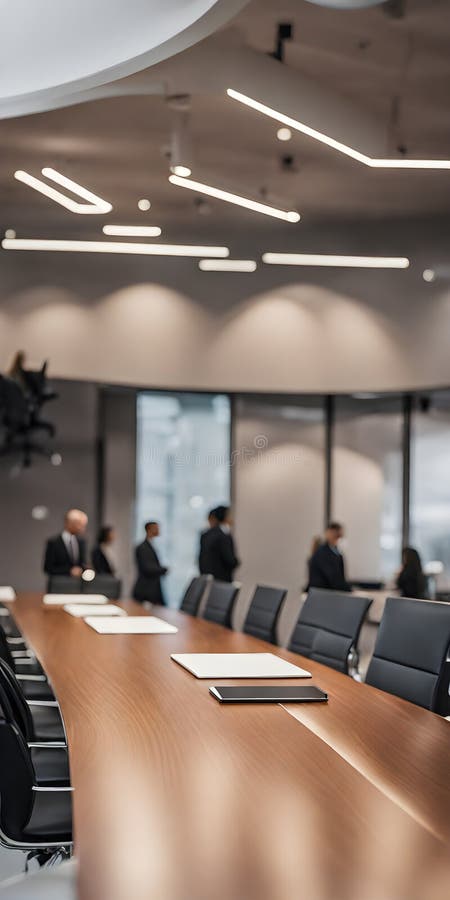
[{"x": 71, "y": 545}]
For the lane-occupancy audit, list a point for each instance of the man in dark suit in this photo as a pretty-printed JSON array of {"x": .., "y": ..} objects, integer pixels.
[
  {"x": 217, "y": 553},
  {"x": 65, "y": 554},
  {"x": 326, "y": 566},
  {"x": 148, "y": 584}
]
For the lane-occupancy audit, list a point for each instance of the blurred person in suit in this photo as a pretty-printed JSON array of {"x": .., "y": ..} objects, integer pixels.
[
  {"x": 411, "y": 581},
  {"x": 103, "y": 561},
  {"x": 65, "y": 554},
  {"x": 326, "y": 566},
  {"x": 150, "y": 571},
  {"x": 217, "y": 551}
]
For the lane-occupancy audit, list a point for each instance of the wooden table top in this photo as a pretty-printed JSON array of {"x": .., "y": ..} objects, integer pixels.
[{"x": 180, "y": 798}]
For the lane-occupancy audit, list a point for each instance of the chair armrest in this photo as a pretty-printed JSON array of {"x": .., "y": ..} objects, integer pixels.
[
  {"x": 47, "y": 745},
  {"x": 31, "y": 677},
  {"x": 37, "y": 787},
  {"x": 43, "y": 703}
]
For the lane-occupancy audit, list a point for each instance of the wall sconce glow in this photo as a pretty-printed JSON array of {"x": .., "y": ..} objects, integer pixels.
[
  {"x": 144, "y": 205},
  {"x": 284, "y": 134},
  {"x": 291, "y": 216},
  {"x": 351, "y": 262},
  {"x": 132, "y": 230},
  {"x": 56, "y": 246},
  {"x": 373, "y": 163},
  {"x": 182, "y": 171},
  {"x": 429, "y": 275},
  {"x": 94, "y": 205},
  {"x": 227, "y": 265}
]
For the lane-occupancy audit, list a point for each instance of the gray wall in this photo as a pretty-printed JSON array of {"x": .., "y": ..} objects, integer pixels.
[
  {"x": 163, "y": 323},
  {"x": 119, "y": 455},
  {"x": 22, "y": 538}
]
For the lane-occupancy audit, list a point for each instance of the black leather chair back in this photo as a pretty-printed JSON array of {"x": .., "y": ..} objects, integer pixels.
[
  {"x": 263, "y": 613},
  {"x": 19, "y": 706},
  {"x": 64, "y": 584},
  {"x": 220, "y": 603},
  {"x": 194, "y": 594},
  {"x": 5, "y": 652},
  {"x": 108, "y": 585},
  {"x": 411, "y": 650},
  {"x": 16, "y": 781},
  {"x": 328, "y": 627}
]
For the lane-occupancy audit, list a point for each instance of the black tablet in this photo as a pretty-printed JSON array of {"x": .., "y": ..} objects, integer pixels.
[{"x": 257, "y": 693}]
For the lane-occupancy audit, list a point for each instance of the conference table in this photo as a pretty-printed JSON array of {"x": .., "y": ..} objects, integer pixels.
[{"x": 177, "y": 797}]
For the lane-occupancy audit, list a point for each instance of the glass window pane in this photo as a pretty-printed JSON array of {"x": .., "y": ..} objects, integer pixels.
[
  {"x": 430, "y": 481},
  {"x": 182, "y": 470},
  {"x": 367, "y": 484}
]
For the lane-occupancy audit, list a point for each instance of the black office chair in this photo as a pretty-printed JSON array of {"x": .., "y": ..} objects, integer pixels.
[
  {"x": 263, "y": 613},
  {"x": 64, "y": 584},
  {"x": 28, "y": 671},
  {"x": 33, "y": 818},
  {"x": 50, "y": 761},
  {"x": 40, "y": 721},
  {"x": 108, "y": 585},
  {"x": 220, "y": 603},
  {"x": 194, "y": 594},
  {"x": 410, "y": 656},
  {"x": 328, "y": 628}
]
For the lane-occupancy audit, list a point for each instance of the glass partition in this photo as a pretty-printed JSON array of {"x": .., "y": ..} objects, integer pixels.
[
  {"x": 367, "y": 483},
  {"x": 182, "y": 470}
]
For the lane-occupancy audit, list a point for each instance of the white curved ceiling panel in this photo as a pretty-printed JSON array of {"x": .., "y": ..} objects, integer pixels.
[{"x": 50, "y": 49}]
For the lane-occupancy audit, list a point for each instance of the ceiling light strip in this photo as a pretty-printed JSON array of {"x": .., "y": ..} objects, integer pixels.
[
  {"x": 227, "y": 265},
  {"x": 372, "y": 162},
  {"x": 113, "y": 247},
  {"x": 290, "y": 216},
  {"x": 352, "y": 262},
  {"x": 132, "y": 230},
  {"x": 94, "y": 205}
]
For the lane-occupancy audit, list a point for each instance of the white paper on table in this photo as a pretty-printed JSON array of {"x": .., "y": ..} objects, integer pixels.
[
  {"x": 238, "y": 665},
  {"x": 64, "y": 599},
  {"x": 130, "y": 625},
  {"x": 79, "y": 610},
  {"x": 7, "y": 593}
]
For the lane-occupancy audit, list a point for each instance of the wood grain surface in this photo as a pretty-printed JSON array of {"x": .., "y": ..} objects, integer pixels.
[{"x": 180, "y": 798}]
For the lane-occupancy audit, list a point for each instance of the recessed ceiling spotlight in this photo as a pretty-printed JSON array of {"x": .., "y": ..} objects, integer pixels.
[
  {"x": 94, "y": 205},
  {"x": 144, "y": 205},
  {"x": 337, "y": 145},
  {"x": 10, "y": 233},
  {"x": 429, "y": 275},
  {"x": 284, "y": 134},
  {"x": 352, "y": 262},
  {"x": 290, "y": 216},
  {"x": 227, "y": 265},
  {"x": 182, "y": 171},
  {"x": 114, "y": 247},
  {"x": 132, "y": 230}
]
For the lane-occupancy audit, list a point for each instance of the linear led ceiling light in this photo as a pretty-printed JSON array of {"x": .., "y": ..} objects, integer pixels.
[
  {"x": 227, "y": 265},
  {"x": 372, "y": 162},
  {"x": 113, "y": 247},
  {"x": 132, "y": 230},
  {"x": 93, "y": 205},
  {"x": 352, "y": 262},
  {"x": 291, "y": 216}
]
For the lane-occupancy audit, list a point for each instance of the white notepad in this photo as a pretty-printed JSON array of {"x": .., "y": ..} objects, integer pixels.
[
  {"x": 64, "y": 599},
  {"x": 130, "y": 625},
  {"x": 238, "y": 665},
  {"x": 79, "y": 610},
  {"x": 7, "y": 592}
]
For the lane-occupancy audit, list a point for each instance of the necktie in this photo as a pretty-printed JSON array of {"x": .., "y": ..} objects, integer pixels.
[{"x": 74, "y": 549}]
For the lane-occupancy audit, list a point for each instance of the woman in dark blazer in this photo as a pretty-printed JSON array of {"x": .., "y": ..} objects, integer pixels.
[
  {"x": 101, "y": 556},
  {"x": 411, "y": 581}
]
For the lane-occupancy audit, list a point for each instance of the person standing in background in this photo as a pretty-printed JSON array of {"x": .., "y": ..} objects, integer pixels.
[
  {"x": 150, "y": 571},
  {"x": 326, "y": 566},
  {"x": 411, "y": 581},
  {"x": 102, "y": 557},
  {"x": 217, "y": 551},
  {"x": 66, "y": 553}
]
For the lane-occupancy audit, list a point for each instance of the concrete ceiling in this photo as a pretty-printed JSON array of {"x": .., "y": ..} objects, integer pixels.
[{"x": 395, "y": 70}]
